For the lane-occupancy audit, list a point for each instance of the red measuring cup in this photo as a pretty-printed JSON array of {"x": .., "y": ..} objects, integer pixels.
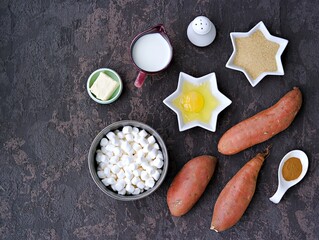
[{"x": 151, "y": 52}]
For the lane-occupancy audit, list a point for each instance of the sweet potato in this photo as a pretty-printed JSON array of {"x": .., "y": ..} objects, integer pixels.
[
  {"x": 234, "y": 199},
  {"x": 261, "y": 126},
  {"x": 189, "y": 184}
]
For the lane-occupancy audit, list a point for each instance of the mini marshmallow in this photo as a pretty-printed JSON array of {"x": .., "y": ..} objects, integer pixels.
[
  {"x": 103, "y": 142},
  {"x": 101, "y": 174},
  {"x": 110, "y": 135},
  {"x": 129, "y": 137},
  {"x": 129, "y": 175},
  {"x": 156, "y": 146},
  {"x": 135, "y": 130},
  {"x": 119, "y": 186},
  {"x": 104, "y": 150},
  {"x": 145, "y": 165},
  {"x": 108, "y": 181},
  {"x": 127, "y": 129},
  {"x": 160, "y": 155},
  {"x": 150, "y": 170},
  {"x": 136, "y": 191},
  {"x": 126, "y": 147},
  {"x": 127, "y": 169},
  {"x": 113, "y": 187},
  {"x": 143, "y": 133},
  {"x": 109, "y": 147},
  {"x": 122, "y": 192},
  {"x": 133, "y": 166},
  {"x": 156, "y": 175},
  {"x": 140, "y": 153},
  {"x": 129, "y": 188},
  {"x": 158, "y": 163},
  {"x": 142, "y": 141},
  {"x": 147, "y": 148},
  {"x": 153, "y": 153},
  {"x": 126, "y": 160},
  {"x": 99, "y": 157},
  {"x": 107, "y": 171},
  {"x": 120, "y": 174},
  {"x": 120, "y": 164},
  {"x": 105, "y": 182},
  {"x": 144, "y": 175},
  {"x": 115, "y": 142},
  {"x": 151, "y": 139},
  {"x": 112, "y": 175},
  {"x": 109, "y": 154},
  {"x": 120, "y": 135},
  {"x": 150, "y": 183},
  {"x": 114, "y": 160},
  {"x": 131, "y": 152},
  {"x": 117, "y": 151},
  {"x": 136, "y": 146},
  {"x": 135, "y": 180},
  {"x": 137, "y": 172},
  {"x": 115, "y": 169},
  {"x": 127, "y": 181},
  {"x": 139, "y": 160},
  {"x": 140, "y": 185},
  {"x": 104, "y": 158},
  {"x": 103, "y": 165}
]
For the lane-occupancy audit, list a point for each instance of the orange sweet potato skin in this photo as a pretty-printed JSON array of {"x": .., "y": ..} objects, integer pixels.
[
  {"x": 234, "y": 199},
  {"x": 261, "y": 126},
  {"x": 189, "y": 184}
]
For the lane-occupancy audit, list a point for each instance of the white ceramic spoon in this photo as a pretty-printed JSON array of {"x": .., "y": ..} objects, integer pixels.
[{"x": 284, "y": 185}]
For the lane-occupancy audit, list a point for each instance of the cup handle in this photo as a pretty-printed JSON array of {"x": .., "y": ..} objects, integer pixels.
[{"x": 140, "y": 79}]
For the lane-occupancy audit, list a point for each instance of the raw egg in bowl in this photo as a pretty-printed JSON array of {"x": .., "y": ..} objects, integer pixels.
[{"x": 197, "y": 102}]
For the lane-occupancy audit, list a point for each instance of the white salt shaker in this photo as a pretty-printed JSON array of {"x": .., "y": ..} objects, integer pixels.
[{"x": 201, "y": 31}]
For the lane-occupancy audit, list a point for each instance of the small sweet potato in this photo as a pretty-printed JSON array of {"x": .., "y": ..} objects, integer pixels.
[
  {"x": 189, "y": 184},
  {"x": 234, "y": 199}
]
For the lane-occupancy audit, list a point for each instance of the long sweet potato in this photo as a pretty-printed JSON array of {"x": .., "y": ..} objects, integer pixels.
[
  {"x": 234, "y": 199},
  {"x": 189, "y": 184},
  {"x": 261, "y": 126}
]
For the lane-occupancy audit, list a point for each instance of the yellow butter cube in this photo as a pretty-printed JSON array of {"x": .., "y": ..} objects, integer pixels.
[{"x": 104, "y": 87}]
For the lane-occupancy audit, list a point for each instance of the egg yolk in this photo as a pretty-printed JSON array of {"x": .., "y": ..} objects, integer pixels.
[
  {"x": 192, "y": 101},
  {"x": 196, "y": 102}
]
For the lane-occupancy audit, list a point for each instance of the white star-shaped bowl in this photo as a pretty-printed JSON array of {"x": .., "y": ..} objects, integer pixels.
[
  {"x": 221, "y": 98},
  {"x": 282, "y": 45}
]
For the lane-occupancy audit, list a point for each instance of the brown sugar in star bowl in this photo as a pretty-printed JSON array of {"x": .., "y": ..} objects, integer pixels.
[{"x": 257, "y": 53}]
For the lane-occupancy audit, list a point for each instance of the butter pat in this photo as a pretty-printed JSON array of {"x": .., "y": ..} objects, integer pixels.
[{"x": 104, "y": 87}]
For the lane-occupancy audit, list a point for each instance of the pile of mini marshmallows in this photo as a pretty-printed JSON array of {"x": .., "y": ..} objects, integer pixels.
[{"x": 129, "y": 161}]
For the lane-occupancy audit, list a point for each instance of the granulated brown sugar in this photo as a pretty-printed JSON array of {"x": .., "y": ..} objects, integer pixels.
[{"x": 255, "y": 54}]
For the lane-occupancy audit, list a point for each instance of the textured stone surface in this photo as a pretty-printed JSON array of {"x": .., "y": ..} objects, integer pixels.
[{"x": 47, "y": 120}]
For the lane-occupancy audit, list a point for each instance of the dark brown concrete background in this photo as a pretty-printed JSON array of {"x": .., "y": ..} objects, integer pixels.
[{"x": 49, "y": 48}]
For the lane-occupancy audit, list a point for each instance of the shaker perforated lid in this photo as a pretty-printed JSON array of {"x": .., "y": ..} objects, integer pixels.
[
  {"x": 201, "y": 31},
  {"x": 201, "y": 25}
]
